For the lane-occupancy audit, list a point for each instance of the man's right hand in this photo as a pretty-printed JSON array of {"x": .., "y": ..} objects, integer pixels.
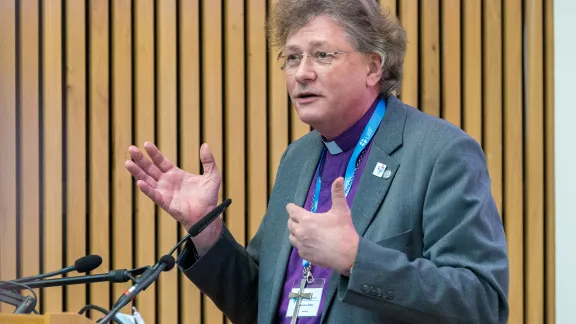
[{"x": 186, "y": 197}]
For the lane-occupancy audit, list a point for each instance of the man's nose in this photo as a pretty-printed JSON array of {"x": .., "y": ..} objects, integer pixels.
[{"x": 305, "y": 71}]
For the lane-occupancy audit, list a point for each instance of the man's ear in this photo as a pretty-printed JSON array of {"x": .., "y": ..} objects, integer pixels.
[{"x": 374, "y": 69}]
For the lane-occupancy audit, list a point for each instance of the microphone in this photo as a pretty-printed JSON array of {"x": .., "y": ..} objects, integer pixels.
[
  {"x": 112, "y": 276},
  {"x": 209, "y": 218},
  {"x": 166, "y": 263},
  {"x": 203, "y": 223},
  {"x": 84, "y": 264}
]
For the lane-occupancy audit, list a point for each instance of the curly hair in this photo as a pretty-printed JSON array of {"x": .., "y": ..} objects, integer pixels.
[{"x": 364, "y": 23}]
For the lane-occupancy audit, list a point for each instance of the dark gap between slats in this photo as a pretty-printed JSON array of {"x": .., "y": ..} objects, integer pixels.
[
  {"x": 18, "y": 101},
  {"x": 268, "y": 104},
  {"x": 110, "y": 147},
  {"x": 41, "y": 144},
  {"x": 544, "y": 157},
  {"x": 89, "y": 183},
  {"x": 482, "y": 77},
  {"x": 179, "y": 150},
  {"x": 64, "y": 117},
  {"x": 441, "y": 49},
  {"x": 201, "y": 110},
  {"x": 156, "y": 208},
  {"x": 246, "y": 125},
  {"x": 224, "y": 87},
  {"x": 462, "y": 67},
  {"x": 524, "y": 146},
  {"x": 133, "y": 186},
  {"x": 420, "y": 57}
]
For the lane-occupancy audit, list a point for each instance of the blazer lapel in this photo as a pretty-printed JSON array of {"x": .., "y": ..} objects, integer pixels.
[
  {"x": 307, "y": 170},
  {"x": 373, "y": 189}
]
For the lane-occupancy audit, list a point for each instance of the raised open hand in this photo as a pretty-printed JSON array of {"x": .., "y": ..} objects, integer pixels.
[{"x": 185, "y": 196}]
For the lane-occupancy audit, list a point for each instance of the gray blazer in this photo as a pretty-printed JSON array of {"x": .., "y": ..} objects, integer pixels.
[{"x": 432, "y": 246}]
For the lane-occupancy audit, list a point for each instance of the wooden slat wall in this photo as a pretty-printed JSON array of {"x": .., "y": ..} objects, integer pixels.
[{"x": 80, "y": 81}]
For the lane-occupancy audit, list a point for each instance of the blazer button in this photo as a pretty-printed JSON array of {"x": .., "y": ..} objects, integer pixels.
[
  {"x": 365, "y": 289},
  {"x": 390, "y": 295}
]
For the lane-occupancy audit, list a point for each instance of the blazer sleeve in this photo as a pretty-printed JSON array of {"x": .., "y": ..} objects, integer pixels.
[
  {"x": 463, "y": 275},
  {"x": 227, "y": 274}
]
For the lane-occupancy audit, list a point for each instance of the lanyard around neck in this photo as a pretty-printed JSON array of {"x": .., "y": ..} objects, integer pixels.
[{"x": 352, "y": 166}]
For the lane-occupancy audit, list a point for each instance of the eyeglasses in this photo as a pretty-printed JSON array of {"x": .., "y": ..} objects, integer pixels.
[{"x": 320, "y": 61}]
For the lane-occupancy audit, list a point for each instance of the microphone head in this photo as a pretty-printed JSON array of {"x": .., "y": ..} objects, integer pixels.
[
  {"x": 169, "y": 261},
  {"x": 88, "y": 263}
]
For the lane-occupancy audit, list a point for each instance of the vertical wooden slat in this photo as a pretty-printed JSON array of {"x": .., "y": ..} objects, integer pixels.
[
  {"x": 234, "y": 123},
  {"x": 278, "y": 112},
  {"x": 388, "y": 7},
  {"x": 212, "y": 103},
  {"x": 451, "y": 67},
  {"x": 122, "y": 139},
  {"x": 8, "y": 185},
  {"x": 550, "y": 270},
  {"x": 430, "y": 57},
  {"x": 166, "y": 82},
  {"x": 29, "y": 141},
  {"x": 75, "y": 145},
  {"x": 492, "y": 58},
  {"x": 52, "y": 147},
  {"x": 98, "y": 153},
  {"x": 144, "y": 240},
  {"x": 410, "y": 83},
  {"x": 189, "y": 93},
  {"x": 472, "y": 64},
  {"x": 534, "y": 164},
  {"x": 513, "y": 157},
  {"x": 234, "y": 119},
  {"x": 256, "y": 119}
]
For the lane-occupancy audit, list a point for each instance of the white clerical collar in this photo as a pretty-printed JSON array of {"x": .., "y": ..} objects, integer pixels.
[{"x": 332, "y": 147}]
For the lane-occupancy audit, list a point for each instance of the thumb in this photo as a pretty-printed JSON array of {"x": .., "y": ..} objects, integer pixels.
[
  {"x": 207, "y": 159},
  {"x": 338, "y": 196}
]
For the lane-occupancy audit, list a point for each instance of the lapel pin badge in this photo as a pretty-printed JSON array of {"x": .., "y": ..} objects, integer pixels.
[
  {"x": 387, "y": 174},
  {"x": 379, "y": 170}
]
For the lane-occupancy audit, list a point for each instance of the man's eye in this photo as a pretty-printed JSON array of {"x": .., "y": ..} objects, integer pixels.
[
  {"x": 322, "y": 55},
  {"x": 292, "y": 57}
]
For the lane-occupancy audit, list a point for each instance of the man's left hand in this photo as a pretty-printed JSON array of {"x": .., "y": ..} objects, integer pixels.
[{"x": 326, "y": 239}]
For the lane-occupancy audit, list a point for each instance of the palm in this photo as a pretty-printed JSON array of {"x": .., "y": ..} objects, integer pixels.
[{"x": 185, "y": 196}]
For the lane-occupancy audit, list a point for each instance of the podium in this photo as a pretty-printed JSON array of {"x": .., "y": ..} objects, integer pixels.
[{"x": 49, "y": 318}]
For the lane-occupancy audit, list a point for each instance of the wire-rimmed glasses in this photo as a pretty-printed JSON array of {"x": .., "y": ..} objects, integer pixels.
[{"x": 320, "y": 60}]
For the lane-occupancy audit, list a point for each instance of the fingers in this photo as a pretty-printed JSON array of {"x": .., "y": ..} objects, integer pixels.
[
  {"x": 143, "y": 164},
  {"x": 150, "y": 192},
  {"x": 207, "y": 159},
  {"x": 294, "y": 212},
  {"x": 140, "y": 174},
  {"x": 158, "y": 158},
  {"x": 338, "y": 196}
]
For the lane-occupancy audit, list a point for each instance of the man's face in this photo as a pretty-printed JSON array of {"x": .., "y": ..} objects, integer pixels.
[{"x": 322, "y": 92}]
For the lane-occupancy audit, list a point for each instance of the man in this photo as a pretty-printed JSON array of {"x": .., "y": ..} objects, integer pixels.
[{"x": 382, "y": 214}]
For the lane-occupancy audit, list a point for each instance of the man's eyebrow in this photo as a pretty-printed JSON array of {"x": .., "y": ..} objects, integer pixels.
[{"x": 313, "y": 44}]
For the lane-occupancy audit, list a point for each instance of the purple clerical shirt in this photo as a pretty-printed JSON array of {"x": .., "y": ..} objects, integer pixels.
[{"x": 334, "y": 167}]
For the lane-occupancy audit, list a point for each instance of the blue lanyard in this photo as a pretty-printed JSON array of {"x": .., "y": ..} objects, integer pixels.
[{"x": 367, "y": 135}]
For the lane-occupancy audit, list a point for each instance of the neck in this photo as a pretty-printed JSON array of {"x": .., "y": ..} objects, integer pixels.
[{"x": 334, "y": 128}]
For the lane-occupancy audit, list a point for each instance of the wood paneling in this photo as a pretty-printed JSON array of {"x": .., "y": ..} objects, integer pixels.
[
  {"x": 8, "y": 158},
  {"x": 513, "y": 198},
  {"x": 81, "y": 81},
  {"x": 76, "y": 170},
  {"x": 52, "y": 90}
]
